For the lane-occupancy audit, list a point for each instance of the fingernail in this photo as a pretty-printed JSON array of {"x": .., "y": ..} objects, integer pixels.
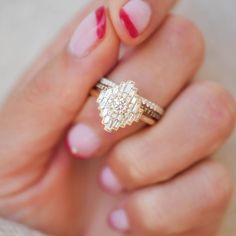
[
  {"x": 89, "y": 32},
  {"x": 135, "y": 16},
  {"x": 109, "y": 181},
  {"x": 82, "y": 141},
  {"x": 119, "y": 221}
]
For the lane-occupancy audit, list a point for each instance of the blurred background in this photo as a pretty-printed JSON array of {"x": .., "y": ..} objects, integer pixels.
[{"x": 26, "y": 26}]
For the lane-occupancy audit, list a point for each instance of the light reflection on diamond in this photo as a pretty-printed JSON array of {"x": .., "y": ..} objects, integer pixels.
[{"x": 119, "y": 106}]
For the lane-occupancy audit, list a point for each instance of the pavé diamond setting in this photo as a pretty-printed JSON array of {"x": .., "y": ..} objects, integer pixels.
[{"x": 120, "y": 105}]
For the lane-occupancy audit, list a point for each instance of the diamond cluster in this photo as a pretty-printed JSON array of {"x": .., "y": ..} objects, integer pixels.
[{"x": 120, "y": 106}]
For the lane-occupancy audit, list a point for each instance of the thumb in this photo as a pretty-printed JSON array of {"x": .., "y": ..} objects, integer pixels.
[{"x": 39, "y": 109}]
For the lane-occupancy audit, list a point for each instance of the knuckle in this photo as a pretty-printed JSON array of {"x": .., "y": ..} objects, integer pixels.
[
  {"x": 149, "y": 216},
  {"x": 186, "y": 37},
  {"x": 220, "y": 186},
  {"x": 35, "y": 89},
  {"x": 44, "y": 92},
  {"x": 125, "y": 160},
  {"x": 45, "y": 81},
  {"x": 138, "y": 175},
  {"x": 220, "y": 107}
]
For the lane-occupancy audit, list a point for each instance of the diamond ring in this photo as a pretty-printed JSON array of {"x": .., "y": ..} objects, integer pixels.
[{"x": 120, "y": 105}]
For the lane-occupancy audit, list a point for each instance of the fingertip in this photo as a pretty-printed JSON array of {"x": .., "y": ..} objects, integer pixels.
[
  {"x": 109, "y": 182},
  {"x": 118, "y": 220},
  {"x": 82, "y": 142},
  {"x": 136, "y": 20},
  {"x": 89, "y": 32},
  {"x": 130, "y": 19}
]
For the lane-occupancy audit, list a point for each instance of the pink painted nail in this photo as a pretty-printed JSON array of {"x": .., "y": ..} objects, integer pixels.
[
  {"x": 118, "y": 220},
  {"x": 109, "y": 181},
  {"x": 135, "y": 16},
  {"x": 82, "y": 141},
  {"x": 89, "y": 32}
]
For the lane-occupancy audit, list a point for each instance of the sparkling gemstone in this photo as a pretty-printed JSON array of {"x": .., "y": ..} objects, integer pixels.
[{"x": 119, "y": 106}]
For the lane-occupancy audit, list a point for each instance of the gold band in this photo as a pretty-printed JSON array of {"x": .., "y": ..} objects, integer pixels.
[{"x": 120, "y": 105}]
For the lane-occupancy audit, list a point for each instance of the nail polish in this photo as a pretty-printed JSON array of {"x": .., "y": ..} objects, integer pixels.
[
  {"x": 109, "y": 181},
  {"x": 101, "y": 22},
  {"x": 135, "y": 16},
  {"x": 88, "y": 33},
  {"x": 82, "y": 141},
  {"x": 118, "y": 220}
]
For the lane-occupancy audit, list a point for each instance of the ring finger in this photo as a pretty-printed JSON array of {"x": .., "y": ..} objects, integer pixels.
[{"x": 161, "y": 67}]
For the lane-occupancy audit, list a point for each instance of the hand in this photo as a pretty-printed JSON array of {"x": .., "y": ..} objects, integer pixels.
[{"x": 44, "y": 188}]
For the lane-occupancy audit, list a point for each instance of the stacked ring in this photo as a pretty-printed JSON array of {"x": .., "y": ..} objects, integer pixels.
[{"x": 120, "y": 105}]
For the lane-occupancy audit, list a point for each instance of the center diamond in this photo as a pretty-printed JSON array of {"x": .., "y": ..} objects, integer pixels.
[{"x": 119, "y": 106}]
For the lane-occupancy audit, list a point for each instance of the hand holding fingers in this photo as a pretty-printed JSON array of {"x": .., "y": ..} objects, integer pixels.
[
  {"x": 53, "y": 98},
  {"x": 176, "y": 207},
  {"x": 61, "y": 40}
]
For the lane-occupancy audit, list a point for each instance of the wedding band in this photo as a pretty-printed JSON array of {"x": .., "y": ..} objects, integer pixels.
[{"x": 120, "y": 105}]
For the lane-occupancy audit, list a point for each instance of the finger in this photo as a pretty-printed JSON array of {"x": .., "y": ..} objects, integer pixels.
[
  {"x": 167, "y": 62},
  {"x": 136, "y": 20},
  {"x": 39, "y": 109},
  {"x": 195, "y": 125},
  {"x": 59, "y": 42},
  {"x": 196, "y": 199}
]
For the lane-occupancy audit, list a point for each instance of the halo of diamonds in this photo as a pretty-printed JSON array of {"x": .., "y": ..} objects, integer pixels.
[
  {"x": 150, "y": 108},
  {"x": 119, "y": 105}
]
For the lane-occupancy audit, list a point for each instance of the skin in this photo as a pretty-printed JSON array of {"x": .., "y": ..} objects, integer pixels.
[
  {"x": 42, "y": 187},
  {"x": 158, "y": 7}
]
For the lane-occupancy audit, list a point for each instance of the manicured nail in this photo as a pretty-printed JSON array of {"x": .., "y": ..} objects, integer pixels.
[
  {"x": 109, "y": 181},
  {"x": 119, "y": 221},
  {"x": 135, "y": 16},
  {"x": 89, "y": 32},
  {"x": 82, "y": 141}
]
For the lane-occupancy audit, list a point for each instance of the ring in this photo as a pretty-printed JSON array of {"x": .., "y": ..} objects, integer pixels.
[{"x": 120, "y": 105}]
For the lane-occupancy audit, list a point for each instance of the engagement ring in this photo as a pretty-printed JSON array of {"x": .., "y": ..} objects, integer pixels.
[{"x": 120, "y": 105}]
